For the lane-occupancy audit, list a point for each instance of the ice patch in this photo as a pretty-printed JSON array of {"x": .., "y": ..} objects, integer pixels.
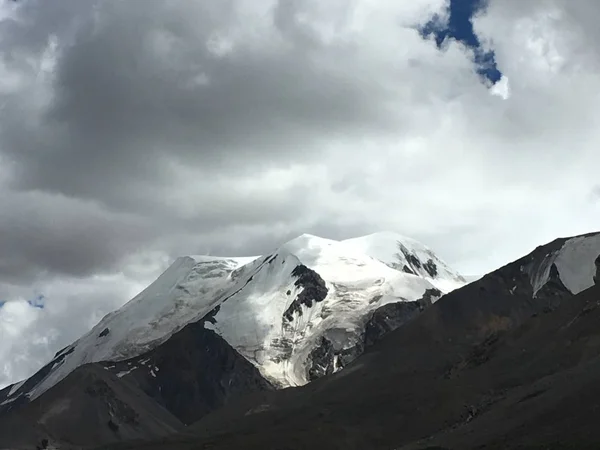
[
  {"x": 539, "y": 275},
  {"x": 575, "y": 262}
]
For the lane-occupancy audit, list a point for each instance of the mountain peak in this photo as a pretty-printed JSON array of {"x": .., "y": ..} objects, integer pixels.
[
  {"x": 306, "y": 242},
  {"x": 386, "y": 235},
  {"x": 408, "y": 255}
]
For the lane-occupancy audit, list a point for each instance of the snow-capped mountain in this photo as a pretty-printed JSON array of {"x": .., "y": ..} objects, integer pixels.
[{"x": 278, "y": 310}]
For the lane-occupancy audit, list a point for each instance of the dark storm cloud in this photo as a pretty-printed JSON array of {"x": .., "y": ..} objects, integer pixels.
[
  {"x": 41, "y": 233},
  {"x": 140, "y": 86},
  {"x": 130, "y": 93}
]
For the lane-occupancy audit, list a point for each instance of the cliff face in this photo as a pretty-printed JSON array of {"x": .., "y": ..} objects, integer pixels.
[{"x": 193, "y": 373}]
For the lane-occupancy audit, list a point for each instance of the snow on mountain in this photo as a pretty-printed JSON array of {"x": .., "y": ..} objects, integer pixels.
[
  {"x": 185, "y": 292},
  {"x": 575, "y": 262},
  {"x": 275, "y": 310},
  {"x": 258, "y": 323},
  {"x": 406, "y": 254}
]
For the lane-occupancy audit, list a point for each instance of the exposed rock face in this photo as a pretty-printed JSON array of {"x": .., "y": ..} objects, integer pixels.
[
  {"x": 407, "y": 269},
  {"x": 322, "y": 360},
  {"x": 190, "y": 375},
  {"x": 117, "y": 408},
  {"x": 388, "y": 318},
  {"x": 412, "y": 259},
  {"x": 104, "y": 332},
  {"x": 392, "y": 316},
  {"x": 431, "y": 268},
  {"x": 597, "y": 277},
  {"x": 429, "y": 297},
  {"x": 494, "y": 303},
  {"x": 91, "y": 406},
  {"x": 193, "y": 373},
  {"x": 313, "y": 290}
]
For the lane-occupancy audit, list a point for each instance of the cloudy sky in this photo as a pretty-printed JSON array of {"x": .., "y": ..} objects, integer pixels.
[{"x": 134, "y": 131}]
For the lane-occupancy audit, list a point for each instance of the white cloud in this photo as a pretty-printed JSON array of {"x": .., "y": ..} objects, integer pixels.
[{"x": 501, "y": 88}]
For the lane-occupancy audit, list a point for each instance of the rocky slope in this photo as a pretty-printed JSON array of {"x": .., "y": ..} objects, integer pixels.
[{"x": 90, "y": 406}]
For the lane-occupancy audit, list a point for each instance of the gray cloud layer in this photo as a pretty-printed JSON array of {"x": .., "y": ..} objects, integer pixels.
[{"x": 139, "y": 85}]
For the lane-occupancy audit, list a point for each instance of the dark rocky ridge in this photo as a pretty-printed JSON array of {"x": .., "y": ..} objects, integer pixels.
[
  {"x": 388, "y": 318},
  {"x": 20, "y": 396},
  {"x": 392, "y": 316},
  {"x": 431, "y": 268},
  {"x": 90, "y": 406},
  {"x": 313, "y": 287},
  {"x": 322, "y": 360},
  {"x": 193, "y": 373}
]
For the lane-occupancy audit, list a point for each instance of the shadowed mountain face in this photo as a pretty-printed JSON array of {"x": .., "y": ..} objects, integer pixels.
[
  {"x": 90, "y": 406},
  {"x": 502, "y": 362},
  {"x": 193, "y": 373}
]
